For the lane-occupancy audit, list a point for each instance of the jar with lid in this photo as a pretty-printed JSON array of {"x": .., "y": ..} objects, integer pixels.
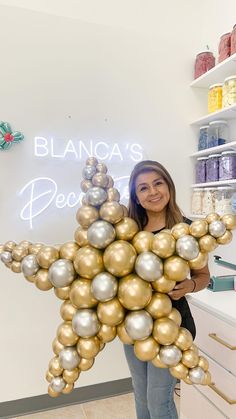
[
  {"x": 227, "y": 165},
  {"x": 196, "y": 201},
  {"x": 218, "y": 133},
  {"x": 208, "y": 202},
  {"x": 223, "y": 200},
  {"x": 229, "y": 91},
  {"x": 204, "y": 61},
  {"x": 215, "y": 97},
  {"x": 200, "y": 170},
  {"x": 233, "y": 41},
  {"x": 203, "y": 137},
  {"x": 233, "y": 201},
  {"x": 224, "y": 46},
  {"x": 212, "y": 168}
]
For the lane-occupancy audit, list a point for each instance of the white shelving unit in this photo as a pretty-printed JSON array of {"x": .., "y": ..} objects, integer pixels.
[
  {"x": 228, "y": 146},
  {"x": 226, "y": 113},
  {"x": 218, "y": 183}
]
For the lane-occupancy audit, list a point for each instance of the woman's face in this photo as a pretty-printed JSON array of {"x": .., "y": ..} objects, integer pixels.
[{"x": 152, "y": 192}]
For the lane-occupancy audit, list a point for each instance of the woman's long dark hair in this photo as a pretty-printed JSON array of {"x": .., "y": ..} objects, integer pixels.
[{"x": 136, "y": 211}]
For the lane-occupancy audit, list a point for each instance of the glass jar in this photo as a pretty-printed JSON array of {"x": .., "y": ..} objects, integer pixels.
[
  {"x": 204, "y": 61},
  {"x": 223, "y": 201},
  {"x": 200, "y": 170},
  {"x": 196, "y": 201},
  {"x": 224, "y": 47},
  {"x": 212, "y": 168},
  {"x": 227, "y": 165},
  {"x": 203, "y": 137},
  {"x": 218, "y": 133},
  {"x": 229, "y": 91},
  {"x": 233, "y": 41},
  {"x": 208, "y": 204},
  {"x": 215, "y": 97},
  {"x": 233, "y": 201}
]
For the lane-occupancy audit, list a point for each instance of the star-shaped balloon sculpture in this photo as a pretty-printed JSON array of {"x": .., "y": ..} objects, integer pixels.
[{"x": 114, "y": 281}]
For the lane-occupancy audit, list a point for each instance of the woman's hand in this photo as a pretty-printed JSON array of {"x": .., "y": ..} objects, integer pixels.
[{"x": 184, "y": 287}]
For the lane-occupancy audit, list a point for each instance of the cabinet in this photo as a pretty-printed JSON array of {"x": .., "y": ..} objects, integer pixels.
[
  {"x": 216, "y": 339},
  {"x": 215, "y": 75}
]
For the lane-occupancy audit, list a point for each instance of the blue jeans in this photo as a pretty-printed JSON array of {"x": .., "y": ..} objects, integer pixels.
[{"x": 153, "y": 388}]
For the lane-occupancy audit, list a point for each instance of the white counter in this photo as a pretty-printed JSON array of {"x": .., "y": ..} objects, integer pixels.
[{"x": 222, "y": 304}]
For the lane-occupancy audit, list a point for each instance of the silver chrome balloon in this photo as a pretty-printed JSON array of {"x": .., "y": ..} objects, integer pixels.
[
  {"x": 96, "y": 196},
  {"x": 85, "y": 323},
  {"x": 138, "y": 324},
  {"x": 6, "y": 257},
  {"x": 57, "y": 384},
  {"x": 170, "y": 355},
  {"x": 104, "y": 286},
  {"x": 101, "y": 234},
  {"x": 196, "y": 375},
  {"x": 88, "y": 172},
  {"x": 217, "y": 228},
  {"x": 69, "y": 358},
  {"x": 187, "y": 247},
  {"x": 29, "y": 265},
  {"x": 149, "y": 266},
  {"x": 61, "y": 273}
]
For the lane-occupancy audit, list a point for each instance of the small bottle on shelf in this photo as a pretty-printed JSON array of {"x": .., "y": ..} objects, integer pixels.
[
  {"x": 203, "y": 137},
  {"x": 227, "y": 165},
  {"x": 218, "y": 133},
  {"x": 212, "y": 168},
  {"x": 196, "y": 201}
]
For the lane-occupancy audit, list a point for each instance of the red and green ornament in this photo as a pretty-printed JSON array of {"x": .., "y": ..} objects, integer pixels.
[{"x": 8, "y": 137}]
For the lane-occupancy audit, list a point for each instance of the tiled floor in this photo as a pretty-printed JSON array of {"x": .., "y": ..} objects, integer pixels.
[{"x": 119, "y": 407}]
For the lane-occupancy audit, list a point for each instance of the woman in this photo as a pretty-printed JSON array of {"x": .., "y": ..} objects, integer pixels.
[{"x": 153, "y": 205}]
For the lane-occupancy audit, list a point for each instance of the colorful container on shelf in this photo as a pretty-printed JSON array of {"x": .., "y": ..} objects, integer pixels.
[
  {"x": 229, "y": 91},
  {"x": 200, "y": 170},
  {"x": 227, "y": 165},
  {"x": 233, "y": 41},
  {"x": 218, "y": 133},
  {"x": 203, "y": 137},
  {"x": 224, "y": 48},
  {"x": 212, "y": 168},
  {"x": 204, "y": 61},
  {"x": 215, "y": 97}
]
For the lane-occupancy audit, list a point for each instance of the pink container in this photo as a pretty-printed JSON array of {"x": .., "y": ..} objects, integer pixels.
[
  {"x": 204, "y": 61},
  {"x": 224, "y": 48},
  {"x": 233, "y": 41}
]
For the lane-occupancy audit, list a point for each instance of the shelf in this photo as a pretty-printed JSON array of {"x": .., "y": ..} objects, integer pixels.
[
  {"x": 217, "y": 74},
  {"x": 225, "y": 113},
  {"x": 218, "y": 149},
  {"x": 197, "y": 216},
  {"x": 218, "y": 183}
]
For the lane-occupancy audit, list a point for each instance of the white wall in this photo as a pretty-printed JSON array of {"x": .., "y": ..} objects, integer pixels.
[{"x": 100, "y": 71}]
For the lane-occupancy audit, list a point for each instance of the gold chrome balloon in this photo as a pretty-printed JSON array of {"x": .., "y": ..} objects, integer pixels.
[
  {"x": 68, "y": 250},
  {"x": 179, "y": 230},
  {"x": 159, "y": 306},
  {"x": 62, "y": 293},
  {"x": 54, "y": 367},
  {"x": 57, "y": 346},
  {"x": 175, "y": 316},
  {"x": 41, "y": 280},
  {"x": 123, "y": 335},
  {"x": 176, "y": 268},
  {"x": 101, "y": 168},
  {"x": 106, "y": 333},
  {"x": 126, "y": 229},
  {"x": 110, "y": 182},
  {"x": 229, "y": 220},
  {"x": 226, "y": 238},
  {"x": 68, "y": 388},
  {"x": 67, "y": 310},
  {"x": 119, "y": 258},
  {"x": 190, "y": 358},
  {"x": 146, "y": 349},
  {"x": 81, "y": 236},
  {"x": 198, "y": 228},
  {"x": 100, "y": 179},
  {"x": 111, "y": 312},
  {"x": 88, "y": 262},
  {"x": 163, "y": 244},
  {"x": 81, "y": 295},
  {"x": 203, "y": 363},
  {"x": 207, "y": 243},
  {"x": 16, "y": 266},
  {"x": 9, "y": 246},
  {"x": 46, "y": 256},
  {"x": 199, "y": 262},
  {"x": 113, "y": 194},
  {"x": 70, "y": 376},
  {"x": 66, "y": 335},
  {"x": 165, "y": 331},
  {"x": 85, "y": 184},
  {"x": 111, "y": 212},
  {"x": 207, "y": 379},
  {"x": 125, "y": 210},
  {"x": 179, "y": 371},
  {"x": 52, "y": 393},
  {"x": 91, "y": 161},
  {"x": 25, "y": 243},
  {"x": 163, "y": 284},
  {"x": 212, "y": 217},
  {"x": 19, "y": 252},
  {"x": 49, "y": 376},
  {"x": 142, "y": 241},
  {"x": 35, "y": 248},
  {"x": 184, "y": 339},
  {"x": 134, "y": 293},
  {"x": 88, "y": 347},
  {"x": 86, "y": 364},
  {"x": 86, "y": 215}
]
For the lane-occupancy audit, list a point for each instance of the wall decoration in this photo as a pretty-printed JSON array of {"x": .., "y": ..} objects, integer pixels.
[
  {"x": 113, "y": 281},
  {"x": 8, "y": 137}
]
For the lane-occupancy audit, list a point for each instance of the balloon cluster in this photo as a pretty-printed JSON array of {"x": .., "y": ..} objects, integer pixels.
[{"x": 114, "y": 281}]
